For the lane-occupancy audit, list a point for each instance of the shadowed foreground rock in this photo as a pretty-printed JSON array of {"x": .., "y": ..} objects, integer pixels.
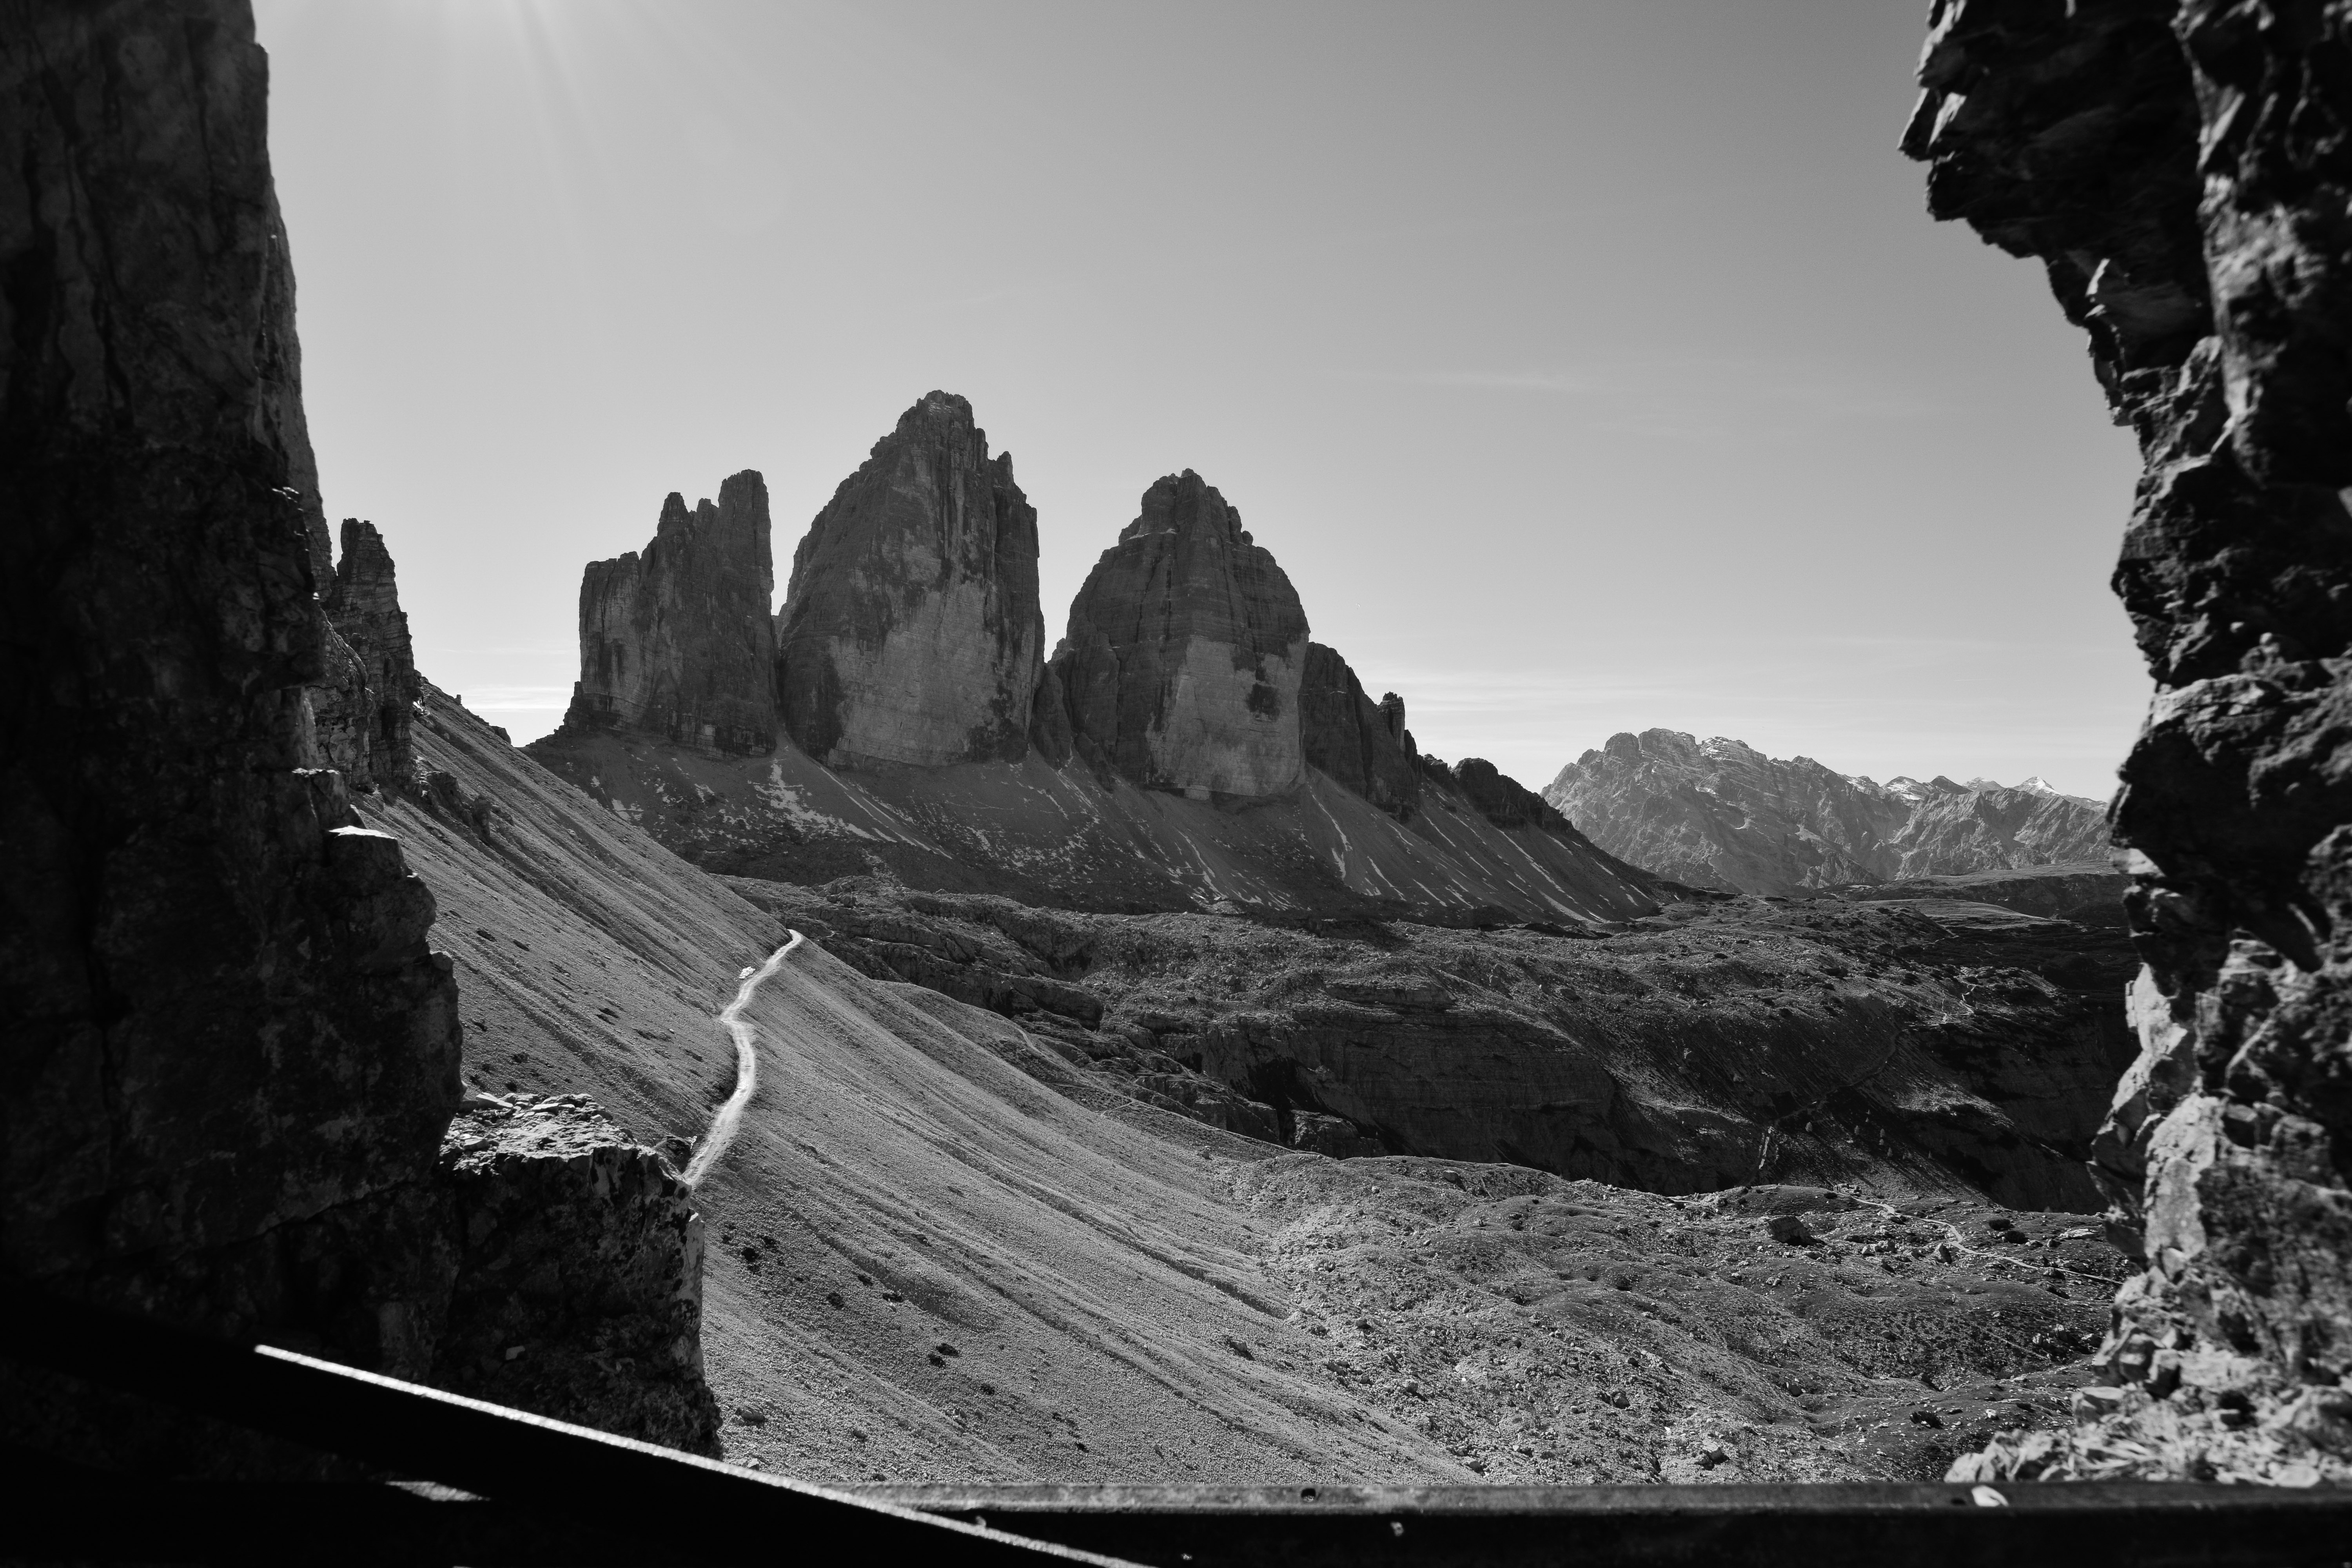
[
  {"x": 2182, "y": 172},
  {"x": 226, "y": 1055},
  {"x": 674, "y": 640},
  {"x": 579, "y": 1273},
  {"x": 910, "y": 632}
]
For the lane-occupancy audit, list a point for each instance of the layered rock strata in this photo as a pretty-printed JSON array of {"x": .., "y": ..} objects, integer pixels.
[
  {"x": 1185, "y": 652},
  {"x": 230, "y": 1054},
  {"x": 674, "y": 640},
  {"x": 1720, "y": 814},
  {"x": 361, "y": 709},
  {"x": 2183, "y": 171},
  {"x": 1361, "y": 744},
  {"x": 910, "y": 631}
]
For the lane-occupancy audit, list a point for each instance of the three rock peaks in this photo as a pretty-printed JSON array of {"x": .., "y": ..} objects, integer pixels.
[{"x": 911, "y": 633}]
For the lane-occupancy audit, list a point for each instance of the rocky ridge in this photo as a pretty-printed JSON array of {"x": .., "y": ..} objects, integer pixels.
[
  {"x": 674, "y": 640},
  {"x": 1720, "y": 814},
  {"x": 1360, "y": 744},
  {"x": 1074, "y": 837},
  {"x": 2182, "y": 171},
  {"x": 1174, "y": 753},
  {"x": 911, "y": 632}
]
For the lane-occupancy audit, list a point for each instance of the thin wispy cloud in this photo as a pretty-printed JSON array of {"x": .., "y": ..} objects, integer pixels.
[{"x": 1679, "y": 397}]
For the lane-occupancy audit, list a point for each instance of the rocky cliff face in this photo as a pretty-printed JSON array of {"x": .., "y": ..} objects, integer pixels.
[
  {"x": 910, "y": 631},
  {"x": 1185, "y": 653},
  {"x": 1720, "y": 814},
  {"x": 360, "y": 708},
  {"x": 1361, "y": 744},
  {"x": 578, "y": 1287},
  {"x": 230, "y": 1054},
  {"x": 674, "y": 640},
  {"x": 2183, "y": 171}
]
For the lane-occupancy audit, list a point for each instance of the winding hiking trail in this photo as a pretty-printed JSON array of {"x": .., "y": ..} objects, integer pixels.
[{"x": 714, "y": 1143}]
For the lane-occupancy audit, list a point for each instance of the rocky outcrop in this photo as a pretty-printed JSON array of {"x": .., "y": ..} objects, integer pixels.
[
  {"x": 361, "y": 709},
  {"x": 675, "y": 641},
  {"x": 2182, "y": 172},
  {"x": 910, "y": 631},
  {"x": 230, "y": 1054},
  {"x": 1185, "y": 653},
  {"x": 578, "y": 1282},
  {"x": 1361, "y": 744},
  {"x": 1720, "y": 814}
]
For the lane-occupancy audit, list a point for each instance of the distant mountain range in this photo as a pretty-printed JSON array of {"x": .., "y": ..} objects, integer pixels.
[{"x": 1720, "y": 814}]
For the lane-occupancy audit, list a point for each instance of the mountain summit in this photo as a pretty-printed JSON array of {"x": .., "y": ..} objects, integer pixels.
[{"x": 1719, "y": 813}]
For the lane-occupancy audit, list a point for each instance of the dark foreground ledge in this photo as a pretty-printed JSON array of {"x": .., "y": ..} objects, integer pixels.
[
  {"x": 494, "y": 1486},
  {"x": 1885, "y": 1526}
]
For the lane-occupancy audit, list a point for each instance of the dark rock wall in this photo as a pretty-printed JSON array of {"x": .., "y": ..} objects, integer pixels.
[
  {"x": 1185, "y": 652},
  {"x": 911, "y": 631},
  {"x": 1360, "y": 743},
  {"x": 228, "y": 1057},
  {"x": 674, "y": 640},
  {"x": 226, "y": 1054},
  {"x": 2183, "y": 171}
]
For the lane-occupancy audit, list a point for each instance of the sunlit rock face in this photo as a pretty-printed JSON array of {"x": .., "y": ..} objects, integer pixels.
[
  {"x": 2183, "y": 172},
  {"x": 1185, "y": 651},
  {"x": 674, "y": 640},
  {"x": 910, "y": 631}
]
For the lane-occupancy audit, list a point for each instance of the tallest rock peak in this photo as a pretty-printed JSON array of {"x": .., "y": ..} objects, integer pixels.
[{"x": 910, "y": 631}]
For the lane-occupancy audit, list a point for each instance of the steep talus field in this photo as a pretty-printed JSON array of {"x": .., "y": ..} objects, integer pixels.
[
  {"x": 1068, "y": 836},
  {"x": 1720, "y": 814},
  {"x": 1907, "y": 1046},
  {"x": 950, "y": 1246}
]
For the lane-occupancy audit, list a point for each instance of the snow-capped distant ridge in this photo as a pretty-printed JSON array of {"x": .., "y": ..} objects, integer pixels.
[{"x": 1719, "y": 813}]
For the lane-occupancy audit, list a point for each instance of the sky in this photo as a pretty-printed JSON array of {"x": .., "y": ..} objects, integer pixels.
[{"x": 1588, "y": 365}]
